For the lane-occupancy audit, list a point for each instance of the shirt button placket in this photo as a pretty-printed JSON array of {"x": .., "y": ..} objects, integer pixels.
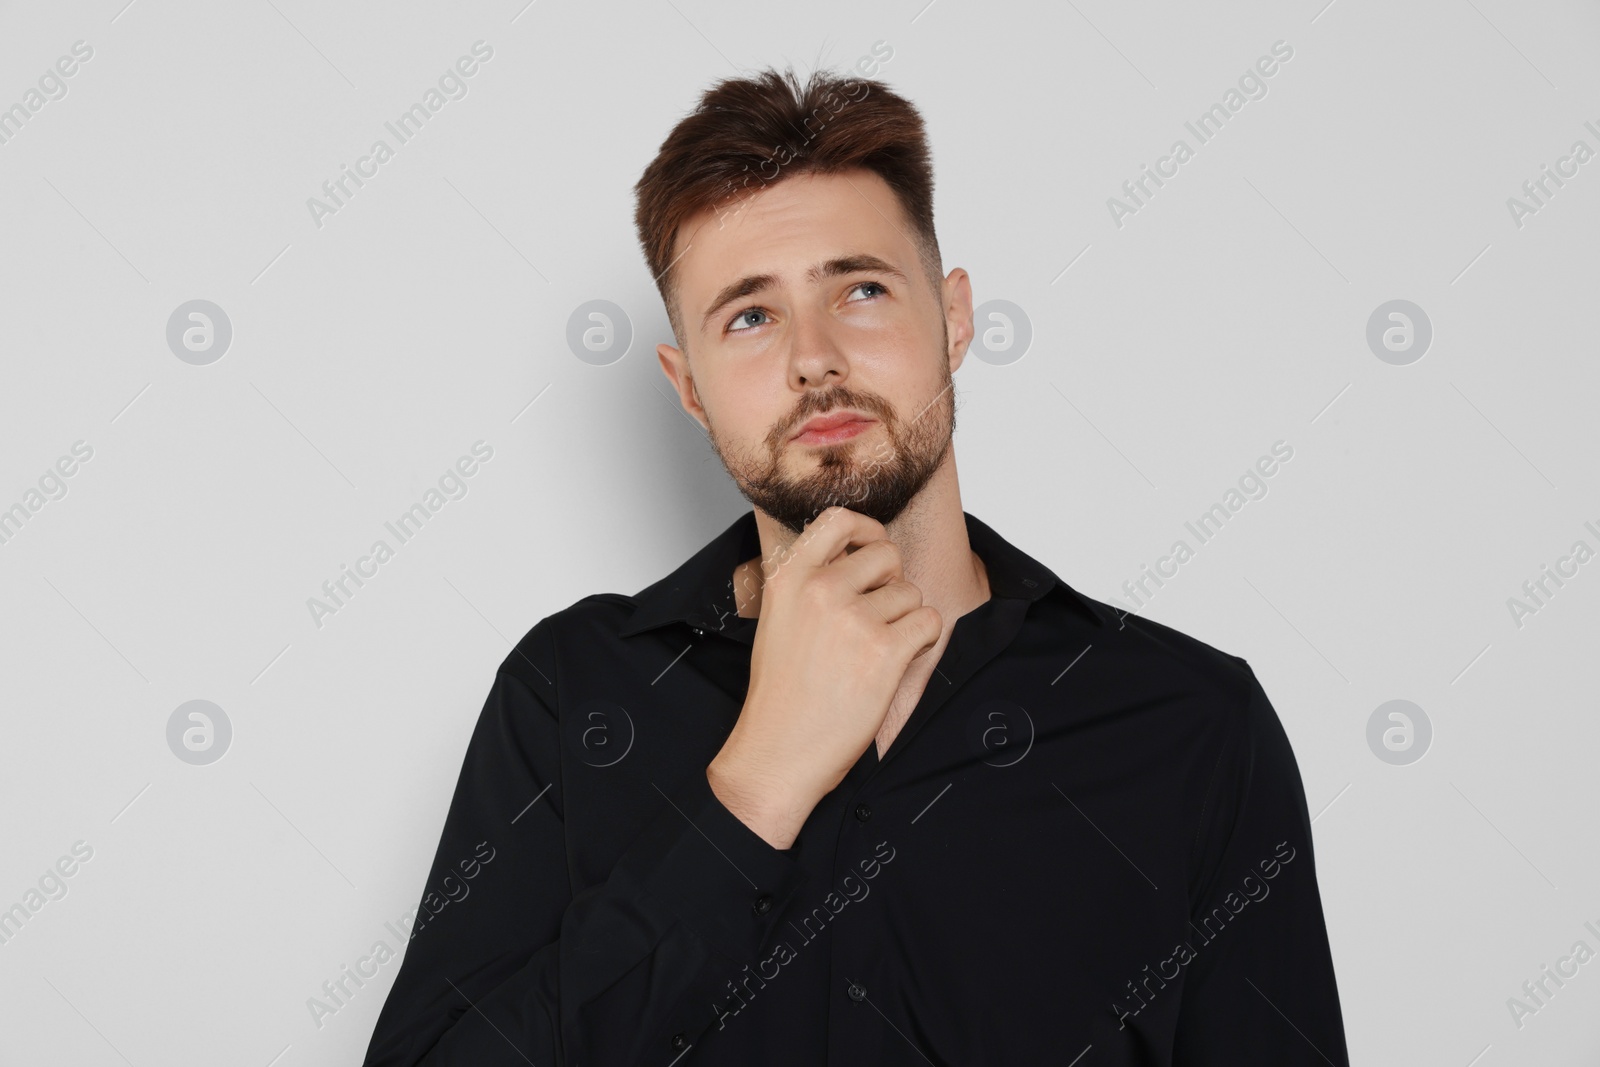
[{"x": 854, "y": 1034}]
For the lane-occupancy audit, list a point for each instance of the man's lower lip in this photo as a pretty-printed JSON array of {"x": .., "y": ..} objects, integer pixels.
[{"x": 842, "y": 432}]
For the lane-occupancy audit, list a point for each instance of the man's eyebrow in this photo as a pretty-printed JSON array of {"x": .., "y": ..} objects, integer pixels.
[{"x": 755, "y": 283}]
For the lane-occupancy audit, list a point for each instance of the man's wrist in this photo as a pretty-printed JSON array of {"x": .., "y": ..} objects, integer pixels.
[{"x": 773, "y": 813}]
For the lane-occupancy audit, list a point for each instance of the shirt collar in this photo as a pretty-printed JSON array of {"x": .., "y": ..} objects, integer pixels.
[{"x": 700, "y": 591}]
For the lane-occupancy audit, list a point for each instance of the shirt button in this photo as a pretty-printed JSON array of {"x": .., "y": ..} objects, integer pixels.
[
  {"x": 763, "y": 904},
  {"x": 679, "y": 1040},
  {"x": 857, "y": 991},
  {"x": 863, "y": 812}
]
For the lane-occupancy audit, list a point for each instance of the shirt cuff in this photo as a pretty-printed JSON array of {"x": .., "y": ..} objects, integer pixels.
[{"x": 721, "y": 878}]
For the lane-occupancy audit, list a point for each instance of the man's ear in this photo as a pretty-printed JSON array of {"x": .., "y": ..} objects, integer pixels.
[
  {"x": 675, "y": 365},
  {"x": 957, "y": 289}
]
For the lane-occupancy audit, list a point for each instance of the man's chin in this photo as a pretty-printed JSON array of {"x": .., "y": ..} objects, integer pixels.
[{"x": 806, "y": 454}]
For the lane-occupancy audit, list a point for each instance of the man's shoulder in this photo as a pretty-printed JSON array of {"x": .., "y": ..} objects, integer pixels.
[
  {"x": 1215, "y": 693},
  {"x": 588, "y": 621},
  {"x": 1226, "y": 680}
]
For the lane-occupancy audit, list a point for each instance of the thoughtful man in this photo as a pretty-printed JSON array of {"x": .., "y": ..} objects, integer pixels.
[{"x": 860, "y": 782}]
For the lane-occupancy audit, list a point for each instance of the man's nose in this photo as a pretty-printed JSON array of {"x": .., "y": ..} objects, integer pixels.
[{"x": 815, "y": 356}]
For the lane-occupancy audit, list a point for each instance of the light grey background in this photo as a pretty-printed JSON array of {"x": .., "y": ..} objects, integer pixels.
[{"x": 431, "y": 311}]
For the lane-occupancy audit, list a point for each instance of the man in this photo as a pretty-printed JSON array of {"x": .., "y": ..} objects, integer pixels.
[{"x": 860, "y": 782}]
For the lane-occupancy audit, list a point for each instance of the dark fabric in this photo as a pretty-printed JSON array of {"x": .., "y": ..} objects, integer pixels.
[{"x": 1090, "y": 840}]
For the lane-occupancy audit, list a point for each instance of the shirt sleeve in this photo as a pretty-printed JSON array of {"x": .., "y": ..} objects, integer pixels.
[
  {"x": 1259, "y": 985},
  {"x": 508, "y": 963}
]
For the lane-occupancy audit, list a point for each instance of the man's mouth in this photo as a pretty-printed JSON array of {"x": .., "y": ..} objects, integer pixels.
[{"x": 833, "y": 427}]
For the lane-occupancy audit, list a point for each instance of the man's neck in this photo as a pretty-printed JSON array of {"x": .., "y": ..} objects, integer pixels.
[{"x": 932, "y": 535}]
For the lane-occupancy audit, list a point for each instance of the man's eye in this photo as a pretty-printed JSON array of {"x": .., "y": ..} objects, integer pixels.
[
  {"x": 746, "y": 319},
  {"x": 870, "y": 285}
]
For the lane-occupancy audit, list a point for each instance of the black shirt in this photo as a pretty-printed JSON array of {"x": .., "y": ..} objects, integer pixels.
[{"x": 1087, "y": 845}]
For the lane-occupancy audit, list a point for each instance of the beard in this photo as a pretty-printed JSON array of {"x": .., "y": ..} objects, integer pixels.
[{"x": 877, "y": 480}]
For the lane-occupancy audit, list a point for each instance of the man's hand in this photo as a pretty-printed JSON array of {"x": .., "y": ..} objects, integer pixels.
[{"x": 836, "y": 633}]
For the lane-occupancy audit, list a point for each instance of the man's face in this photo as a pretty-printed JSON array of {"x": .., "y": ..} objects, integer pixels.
[{"x": 809, "y": 299}]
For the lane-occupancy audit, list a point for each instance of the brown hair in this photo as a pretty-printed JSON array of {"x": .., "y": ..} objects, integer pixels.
[{"x": 747, "y": 133}]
